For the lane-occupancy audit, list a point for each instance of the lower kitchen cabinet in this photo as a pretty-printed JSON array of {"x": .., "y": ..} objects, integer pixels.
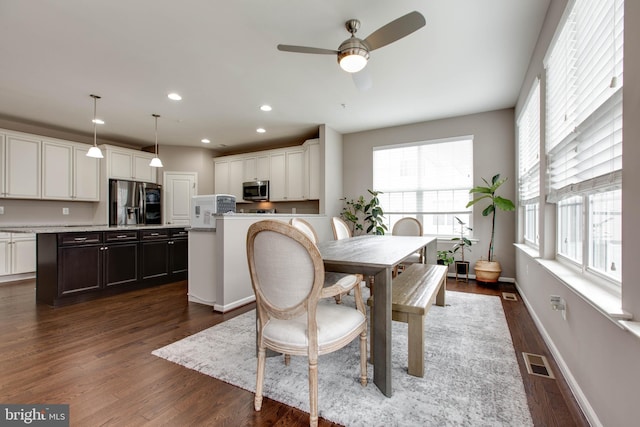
[
  {"x": 72, "y": 267},
  {"x": 164, "y": 253}
]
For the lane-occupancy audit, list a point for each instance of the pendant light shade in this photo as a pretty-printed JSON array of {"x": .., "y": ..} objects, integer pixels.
[
  {"x": 95, "y": 151},
  {"x": 156, "y": 162}
]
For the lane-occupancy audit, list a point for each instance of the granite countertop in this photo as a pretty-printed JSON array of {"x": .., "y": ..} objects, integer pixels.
[{"x": 41, "y": 229}]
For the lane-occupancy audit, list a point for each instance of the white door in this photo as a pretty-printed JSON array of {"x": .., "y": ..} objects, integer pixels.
[{"x": 179, "y": 188}]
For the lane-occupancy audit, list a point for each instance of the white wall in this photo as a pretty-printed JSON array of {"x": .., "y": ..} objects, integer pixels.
[
  {"x": 493, "y": 152},
  {"x": 599, "y": 359},
  {"x": 331, "y": 171}
]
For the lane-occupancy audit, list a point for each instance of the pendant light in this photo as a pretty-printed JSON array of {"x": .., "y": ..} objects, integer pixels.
[
  {"x": 95, "y": 151},
  {"x": 156, "y": 162}
]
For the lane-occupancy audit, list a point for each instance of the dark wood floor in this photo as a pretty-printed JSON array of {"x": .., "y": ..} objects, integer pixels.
[{"x": 96, "y": 356}]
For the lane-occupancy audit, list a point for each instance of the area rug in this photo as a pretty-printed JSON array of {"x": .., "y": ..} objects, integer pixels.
[{"x": 471, "y": 373}]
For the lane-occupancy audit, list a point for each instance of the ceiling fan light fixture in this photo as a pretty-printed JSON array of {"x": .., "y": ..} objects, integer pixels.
[
  {"x": 353, "y": 55},
  {"x": 353, "y": 60}
]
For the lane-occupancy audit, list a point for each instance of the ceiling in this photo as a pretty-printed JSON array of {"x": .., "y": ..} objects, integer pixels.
[{"x": 221, "y": 57}]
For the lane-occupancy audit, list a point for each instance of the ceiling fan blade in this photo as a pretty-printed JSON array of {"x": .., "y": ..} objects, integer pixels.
[
  {"x": 362, "y": 79},
  {"x": 395, "y": 30},
  {"x": 304, "y": 49}
]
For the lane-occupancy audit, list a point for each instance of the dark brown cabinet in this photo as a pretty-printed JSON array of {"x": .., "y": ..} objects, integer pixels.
[
  {"x": 163, "y": 254},
  {"x": 120, "y": 254},
  {"x": 79, "y": 262},
  {"x": 76, "y": 266}
]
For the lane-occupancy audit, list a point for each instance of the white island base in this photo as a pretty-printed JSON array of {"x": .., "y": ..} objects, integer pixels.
[{"x": 218, "y": 269}]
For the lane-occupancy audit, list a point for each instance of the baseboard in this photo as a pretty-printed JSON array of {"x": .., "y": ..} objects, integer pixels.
[
  {"x": 235, "y": 304},
  {"x": 582, "y": 400},
  {"x": 473, "y": 277},
  {"x": 17, "y": 277}
]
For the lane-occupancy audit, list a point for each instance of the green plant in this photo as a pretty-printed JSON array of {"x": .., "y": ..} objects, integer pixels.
[
  {"x": 462, "y": 242},
  {"x": 359, "y": 213},
  {"x": 488, "y": 193},
  {"x": 446, "y": 257}
]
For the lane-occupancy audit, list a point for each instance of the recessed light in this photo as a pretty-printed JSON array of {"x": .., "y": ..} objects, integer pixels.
[
  {"x": 260, "y": 130},
  {"x": 265, "y": 107},
  {"x": 205, "y": 141},
  {"x": 98, "y": 121},
  {"x": 174, "y": 96}
]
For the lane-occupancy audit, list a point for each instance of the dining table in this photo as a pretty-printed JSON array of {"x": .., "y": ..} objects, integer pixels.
[{"x": 376, "y": 255}]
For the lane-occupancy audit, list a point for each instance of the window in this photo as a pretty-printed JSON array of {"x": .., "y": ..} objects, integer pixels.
[
  {"x": 528, "y": 126},
  {"x": 584, "y": 135},
  {"x": 428, "y": 180}
]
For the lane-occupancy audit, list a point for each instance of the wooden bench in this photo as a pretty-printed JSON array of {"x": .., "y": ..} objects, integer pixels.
[{"x": 413, "y": 293}]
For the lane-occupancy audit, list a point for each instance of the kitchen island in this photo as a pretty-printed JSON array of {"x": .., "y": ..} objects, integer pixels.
[
  {"x": 77, "y": 263},
  {"x": 218, "y": 269}
]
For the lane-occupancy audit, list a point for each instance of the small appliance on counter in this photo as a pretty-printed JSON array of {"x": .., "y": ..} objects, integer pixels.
[
  {"x": 204, "y": 209},
  {"x": 134, "y": 203},
  {"x": 255, "y": 191}
]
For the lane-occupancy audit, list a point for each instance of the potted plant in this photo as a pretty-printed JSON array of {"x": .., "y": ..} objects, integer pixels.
[
  {"x": 359, "y": 213},
  {"x": 445, "y": 257},
  {"x": 462, "y": 242},
  {"x": 489, "y": 270}
]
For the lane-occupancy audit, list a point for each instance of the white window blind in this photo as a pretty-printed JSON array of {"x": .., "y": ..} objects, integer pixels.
[
  {"x": 529, "y": 148},
  {"x": 584, "y": 100},
  {"x": 427, "y": 180}
]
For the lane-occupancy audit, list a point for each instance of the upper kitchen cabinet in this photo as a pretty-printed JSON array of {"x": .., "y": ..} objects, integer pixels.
[
  {"x": 231, "y": 171},
  {"x": 287, "y": 180},
  {"x": 86, "y": 176},
  {"x": 123, "y": 163},
  {"x": 257, "y": 168},
  {"x": 221, "y": 176},
  {"x": 20, "y": 166},
  {"x": 67, "y": 173}
]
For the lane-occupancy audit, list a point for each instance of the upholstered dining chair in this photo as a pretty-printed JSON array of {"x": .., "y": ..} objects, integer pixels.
[
  {"x": 330, "y": 278},
  {"x": 340, "y": 228},
  {"x": 287, "y": 275},
  {"x": 408, "y": 226},
  {"x": 305, "y": 227}
]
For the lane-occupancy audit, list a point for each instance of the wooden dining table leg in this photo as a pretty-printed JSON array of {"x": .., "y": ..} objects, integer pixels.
[{"x": 381, "y": 331}]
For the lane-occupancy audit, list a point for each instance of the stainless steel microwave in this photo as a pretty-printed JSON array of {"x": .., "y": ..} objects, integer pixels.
[{"x": 255, "y": 190}]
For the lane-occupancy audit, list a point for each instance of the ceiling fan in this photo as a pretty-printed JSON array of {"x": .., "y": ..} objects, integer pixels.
[{"x": 353, "y": 53}]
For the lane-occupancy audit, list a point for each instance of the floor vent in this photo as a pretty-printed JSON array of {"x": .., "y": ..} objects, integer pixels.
[
  {"x": 537, "y": 365},
  {"x": 509, "y": 296}
]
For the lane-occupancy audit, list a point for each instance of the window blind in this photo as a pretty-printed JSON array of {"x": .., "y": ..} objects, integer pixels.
[
  {"x": 529, "y": 148},
  {"x": 584, "y": 100}
]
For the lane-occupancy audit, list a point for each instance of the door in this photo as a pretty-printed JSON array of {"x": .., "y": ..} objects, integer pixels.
[{"x": 179, "y": 188}]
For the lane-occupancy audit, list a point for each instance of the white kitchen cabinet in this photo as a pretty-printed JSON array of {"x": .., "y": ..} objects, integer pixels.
[
  {"x": 2, "y": 167},
  {"x": 221, "y": 176},
  {"x": 141, "y": 169},
  {"x": 128, "y": 164},
  {"x": 86, "y": 175},
  {"x": 312, "y": 164},
  {"x": 5, "y": 253},
  {"x": 236, "y": 178},
  {"x": 256, "y": 168},
  {"x": 67, "y": 172},
  {"x": 22, "y": 163},
  {"x": 17, "y": 253},
  {"x": 286, "y": 182},
  {"x": 57, "y": 170}
]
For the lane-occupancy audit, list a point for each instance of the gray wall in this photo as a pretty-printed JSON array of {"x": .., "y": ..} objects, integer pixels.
[
  {"x": 493, "y": 152},
  {"x": 598, "y": 358},
  {"x": 189, "y": 159}
]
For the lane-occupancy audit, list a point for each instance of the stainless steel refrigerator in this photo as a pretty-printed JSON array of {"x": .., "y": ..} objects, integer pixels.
[{"x": 132, "y": 203}]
